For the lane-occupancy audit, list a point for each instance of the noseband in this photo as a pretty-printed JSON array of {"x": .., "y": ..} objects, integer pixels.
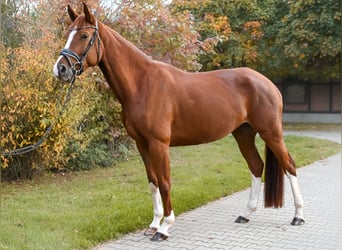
[{"x": 77, "y": 67}]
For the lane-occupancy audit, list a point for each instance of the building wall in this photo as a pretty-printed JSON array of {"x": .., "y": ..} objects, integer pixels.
[
  {"x": 312, "y": 118},
  {"x": 311, "y": 102}
]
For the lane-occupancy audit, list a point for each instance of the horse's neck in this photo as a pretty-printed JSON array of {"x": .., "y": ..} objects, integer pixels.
[{"x": 122, "y": 64}]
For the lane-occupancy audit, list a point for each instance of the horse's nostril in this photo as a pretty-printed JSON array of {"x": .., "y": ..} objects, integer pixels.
[{"x": 62, "y": 69}]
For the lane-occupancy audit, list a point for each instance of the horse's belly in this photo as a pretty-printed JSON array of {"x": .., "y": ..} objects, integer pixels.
[
  {"x": 204, "y": 128},
  {"x": 195, "y": 139}
]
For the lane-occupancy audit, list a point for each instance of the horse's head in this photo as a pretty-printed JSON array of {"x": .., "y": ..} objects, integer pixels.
[{"x": 83, "y": 47}]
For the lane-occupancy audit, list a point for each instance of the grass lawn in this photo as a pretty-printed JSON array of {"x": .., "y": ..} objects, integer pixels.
[
  {"x": 312, "y": 126},
  {"x": 80, "y": 210}
]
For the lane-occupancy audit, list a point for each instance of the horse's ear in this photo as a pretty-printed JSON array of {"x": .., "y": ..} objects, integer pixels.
[
  {"x": 90, "y": 18},
  {"x": 72, "y": 14}
]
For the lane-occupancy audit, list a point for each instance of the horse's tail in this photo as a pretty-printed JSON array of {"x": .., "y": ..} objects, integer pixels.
[{"x": 274, "y": 180}]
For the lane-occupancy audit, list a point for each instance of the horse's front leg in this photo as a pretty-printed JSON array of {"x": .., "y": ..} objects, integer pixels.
[
  {"x": 156, "y": 159},
  {"x": 158, "y": 211},
  {"x": 157, "y": 231},
  {"x": 160, "y": 160}
]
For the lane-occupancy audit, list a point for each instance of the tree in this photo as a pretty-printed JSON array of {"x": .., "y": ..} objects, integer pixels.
[
  {"x": 234, "y": 28},
  {"x": 281, "y": 39},
  {"x": 310, "y": 38},
  {"x": 271, "y": 61},
  {"x": 152, "y": 27}
]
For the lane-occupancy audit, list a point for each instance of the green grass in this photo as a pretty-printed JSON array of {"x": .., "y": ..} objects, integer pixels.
[
  {"x": 80, "y": 210},
  {"x": 312, "y": 126}
]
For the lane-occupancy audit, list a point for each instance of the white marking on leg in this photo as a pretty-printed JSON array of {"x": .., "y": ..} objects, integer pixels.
[
  {"x": 167, "y": 223},
  {"x": 253, "y": 197},
  {"x": 67, "y": 46},
  {"x": 158, "y": 210},
  {"x": 297, "y": 196}
]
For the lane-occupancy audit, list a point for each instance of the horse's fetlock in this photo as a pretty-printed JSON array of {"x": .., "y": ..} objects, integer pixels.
[
  {"x": 158, "y": 215},
  {"x": 252, "y": 208},
  {"x": 170, "y": 220}
]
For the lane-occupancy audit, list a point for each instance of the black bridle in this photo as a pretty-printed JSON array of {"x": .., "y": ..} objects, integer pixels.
[{"x": 77, "y": 67}]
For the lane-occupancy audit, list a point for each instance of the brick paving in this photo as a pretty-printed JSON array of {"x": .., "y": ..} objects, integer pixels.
[{"x": 212, "y": 226}]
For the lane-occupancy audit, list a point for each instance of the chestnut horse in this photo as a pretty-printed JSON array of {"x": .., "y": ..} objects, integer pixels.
[{"x": 163, "y": 106}]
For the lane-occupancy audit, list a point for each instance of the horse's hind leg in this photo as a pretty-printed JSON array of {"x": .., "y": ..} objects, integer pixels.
[
  {"x": 275, "y": 142},
  {"x": 298, "y": 201},
  {"x": 245, "y": 137}
]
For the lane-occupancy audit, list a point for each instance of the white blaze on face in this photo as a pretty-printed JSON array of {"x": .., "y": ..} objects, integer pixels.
[
  {"x": 70, "y": 38},
  {"x": 67, "y": 46}
]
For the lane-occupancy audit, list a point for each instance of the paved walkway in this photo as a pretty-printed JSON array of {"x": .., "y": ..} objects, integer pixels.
[{"x": 212, "y": 226}]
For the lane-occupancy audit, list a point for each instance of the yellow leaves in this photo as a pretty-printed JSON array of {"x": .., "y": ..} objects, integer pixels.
[
  {"x": 13, "y": 128},
  {"x": 25, "y": 98},
  {"x": 254, "y": 29},
  {"x": 43, "y": 126},
  {"x": 218, "y": 24},
  {"x": 191, "y": 4},
  {"x": 5, "y": 161}
]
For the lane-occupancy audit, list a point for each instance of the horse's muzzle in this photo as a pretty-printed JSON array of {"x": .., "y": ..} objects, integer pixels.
[{"x": 64, "y": 72}]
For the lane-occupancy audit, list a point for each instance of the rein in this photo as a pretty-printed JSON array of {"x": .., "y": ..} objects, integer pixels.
[
  {"x": 33, "y": 147},
  {"x": 77, "y": 67}
]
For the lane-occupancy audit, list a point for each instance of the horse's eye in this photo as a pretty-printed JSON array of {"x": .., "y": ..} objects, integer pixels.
[{"x": 84, "y": 36}]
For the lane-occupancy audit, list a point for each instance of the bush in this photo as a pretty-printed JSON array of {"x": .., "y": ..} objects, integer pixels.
[
  {"x": 98, "y": 138},
  {"x": 81, "y": 135}
]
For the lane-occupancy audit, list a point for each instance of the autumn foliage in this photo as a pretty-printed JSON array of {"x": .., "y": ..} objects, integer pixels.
[{"x": 86, "y": 134}]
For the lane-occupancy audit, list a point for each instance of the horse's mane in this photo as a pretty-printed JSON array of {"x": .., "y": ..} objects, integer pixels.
[{"x": 128, "y": 44}]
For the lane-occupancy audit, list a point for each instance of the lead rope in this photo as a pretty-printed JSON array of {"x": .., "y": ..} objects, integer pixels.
[{"x": 33, "y": 147}]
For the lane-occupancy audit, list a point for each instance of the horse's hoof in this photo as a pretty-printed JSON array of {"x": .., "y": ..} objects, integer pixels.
[
  {"x": 241, "y": 219},
  {"x": 297, "y": 221},
  {"x": 159, "y": 237},
  {"x": 150, "y": 231}
]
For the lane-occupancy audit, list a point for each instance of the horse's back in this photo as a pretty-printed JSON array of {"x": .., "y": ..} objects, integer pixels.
[
  {"x": 210, "y": 105},
  {"x": 241, "y": 90},
  {"x": 194, "y": 108}
]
